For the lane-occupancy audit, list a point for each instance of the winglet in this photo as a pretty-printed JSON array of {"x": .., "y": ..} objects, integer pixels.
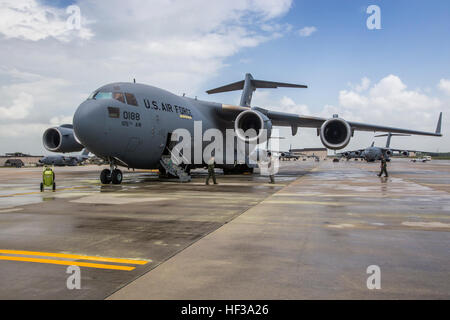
[{"x": 439, "y": 124}]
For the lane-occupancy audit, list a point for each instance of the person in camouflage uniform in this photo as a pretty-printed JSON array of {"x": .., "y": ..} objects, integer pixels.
[
  {"x": 211, "y": 172},
  {"x": 383, "y": 167}
]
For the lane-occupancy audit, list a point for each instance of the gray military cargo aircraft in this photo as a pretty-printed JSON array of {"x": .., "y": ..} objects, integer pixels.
[
  {"x": 132, "y": 125},
  {"x": 61, "y": 160}
]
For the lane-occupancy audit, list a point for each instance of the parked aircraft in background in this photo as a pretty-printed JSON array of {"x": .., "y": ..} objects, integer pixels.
[
  {"x": 61, "y": 160},
  {"x": 131, "y": 125}
]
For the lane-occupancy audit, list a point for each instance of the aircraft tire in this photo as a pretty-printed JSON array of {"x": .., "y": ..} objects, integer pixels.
[
  {"x": 42, "y": 187},
  {"x": 105, "y": 176},
  {"x": 54, "y": 186},
  {"x": 116, "y": 176}
]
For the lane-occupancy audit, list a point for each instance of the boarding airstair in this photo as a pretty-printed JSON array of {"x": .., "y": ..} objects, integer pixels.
[{"x": 172, "y": 166}]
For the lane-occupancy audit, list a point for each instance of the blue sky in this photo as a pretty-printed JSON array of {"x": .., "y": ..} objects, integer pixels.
[
  {"x": 413, "y": 44},
  {"x": 399, "y": 75}
]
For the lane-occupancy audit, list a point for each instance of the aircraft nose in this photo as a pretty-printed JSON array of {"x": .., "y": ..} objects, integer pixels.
[{"x": 89, "y": 124}]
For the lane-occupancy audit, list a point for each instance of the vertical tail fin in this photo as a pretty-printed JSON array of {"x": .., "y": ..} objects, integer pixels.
[
  {"x": 439, "y": 124},
  {"x": 84, "y": 153},
  {"x": 388, "y": 141},
  {"x": 247, "y": 93}
]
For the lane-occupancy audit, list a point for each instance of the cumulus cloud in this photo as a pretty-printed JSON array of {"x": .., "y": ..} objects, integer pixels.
[
  {"x": 387, "y": 102},
  {"x": 389, "y": 98},
  {"x": 444, "y": 85},
  {"x": 363, "y": 86},
  {"x": 19, "y": 108},
  {"x": 307, "y": 31},
  {"x": 177, "y": 45},
  {"x": 30, "y": 20}
]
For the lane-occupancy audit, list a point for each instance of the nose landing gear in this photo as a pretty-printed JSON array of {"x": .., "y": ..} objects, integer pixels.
[{"x": 114, "y": 175}]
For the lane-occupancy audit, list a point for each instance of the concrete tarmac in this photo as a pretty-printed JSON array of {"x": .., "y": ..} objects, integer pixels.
[
  {"x": 143, "y": 220},
  {"x": 311, "y": 236}
]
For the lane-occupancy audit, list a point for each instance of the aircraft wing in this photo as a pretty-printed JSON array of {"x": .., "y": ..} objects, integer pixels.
[{"x": 294, "y": 120}]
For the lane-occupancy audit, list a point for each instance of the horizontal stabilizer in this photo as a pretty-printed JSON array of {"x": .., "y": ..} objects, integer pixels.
[
  {"x": 249, "y": 85},
  {"x": 256, "y": 84},
  {"x": 274, "y": 85},
  {"x": 229, "y": 87}
]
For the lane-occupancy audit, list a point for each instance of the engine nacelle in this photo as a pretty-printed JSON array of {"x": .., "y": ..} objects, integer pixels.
[
  {"x": 61, "y": 139},
  {"x": 357, "y": 153},
  {"x": 346, "y": 154},
  {"x": 253, "y": 126},
  {"x": 335, "y": 133},
  {"x": 405, "y": 153},
  {"x": 388, "y": 152}
]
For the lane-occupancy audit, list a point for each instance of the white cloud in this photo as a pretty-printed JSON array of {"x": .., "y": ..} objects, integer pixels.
[
  {"x": 30, "y": 20},
  {"x": 288, "y": 105},
  {"x": 387, "y": 102},
  {"x": 20, "y": 107},
  {"x": 307, "y": 31},
  {"x": 177, "y": 45},
  {"x": 444, "y": 85},
  {"x": 363, "y": 86},
  {"x": 389, "y": 97}
]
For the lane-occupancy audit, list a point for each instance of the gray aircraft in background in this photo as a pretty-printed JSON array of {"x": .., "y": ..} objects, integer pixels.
[
  {"x": 61, "y": 160},
  {"x": 131, "y": 125}
]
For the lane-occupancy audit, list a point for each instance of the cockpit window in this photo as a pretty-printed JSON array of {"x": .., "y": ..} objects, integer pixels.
[
  {"x": 119, "y": 96},
  {"x": 103, "y": 95},
  {"x": 131, "y": 99}
]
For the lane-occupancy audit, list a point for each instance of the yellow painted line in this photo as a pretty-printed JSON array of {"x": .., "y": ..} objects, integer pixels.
[
  {"x": 185, "y": 116},
  {"x": 74, "y": 256},
  {"x": 68, "y": 263}
]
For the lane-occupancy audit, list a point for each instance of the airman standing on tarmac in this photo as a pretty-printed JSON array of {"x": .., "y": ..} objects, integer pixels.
[
  {"x": 270, "y": 167},
  {"x": 211, "y": 172},
  {"x": 383, "y": 167}
]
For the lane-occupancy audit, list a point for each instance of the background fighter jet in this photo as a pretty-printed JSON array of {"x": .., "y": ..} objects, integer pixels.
[
  {"x": 132, "y": 125},
  {"x": 60, "y": 160}
]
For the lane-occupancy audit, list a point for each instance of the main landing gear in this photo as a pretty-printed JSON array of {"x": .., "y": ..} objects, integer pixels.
[{"x": 112, "y": 175}]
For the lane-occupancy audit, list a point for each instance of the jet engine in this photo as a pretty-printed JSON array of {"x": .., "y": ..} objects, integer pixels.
[
  {"x": 346, "y": 154},
  {"x": 357, "y": 153},
  {"x": 335, "y": 133},
  {"x": 61, "y": 139},
  {"x": 405, "y": 153},
  {"x": 253, "y": 126},
  {"x": 388, "y": 153}
]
